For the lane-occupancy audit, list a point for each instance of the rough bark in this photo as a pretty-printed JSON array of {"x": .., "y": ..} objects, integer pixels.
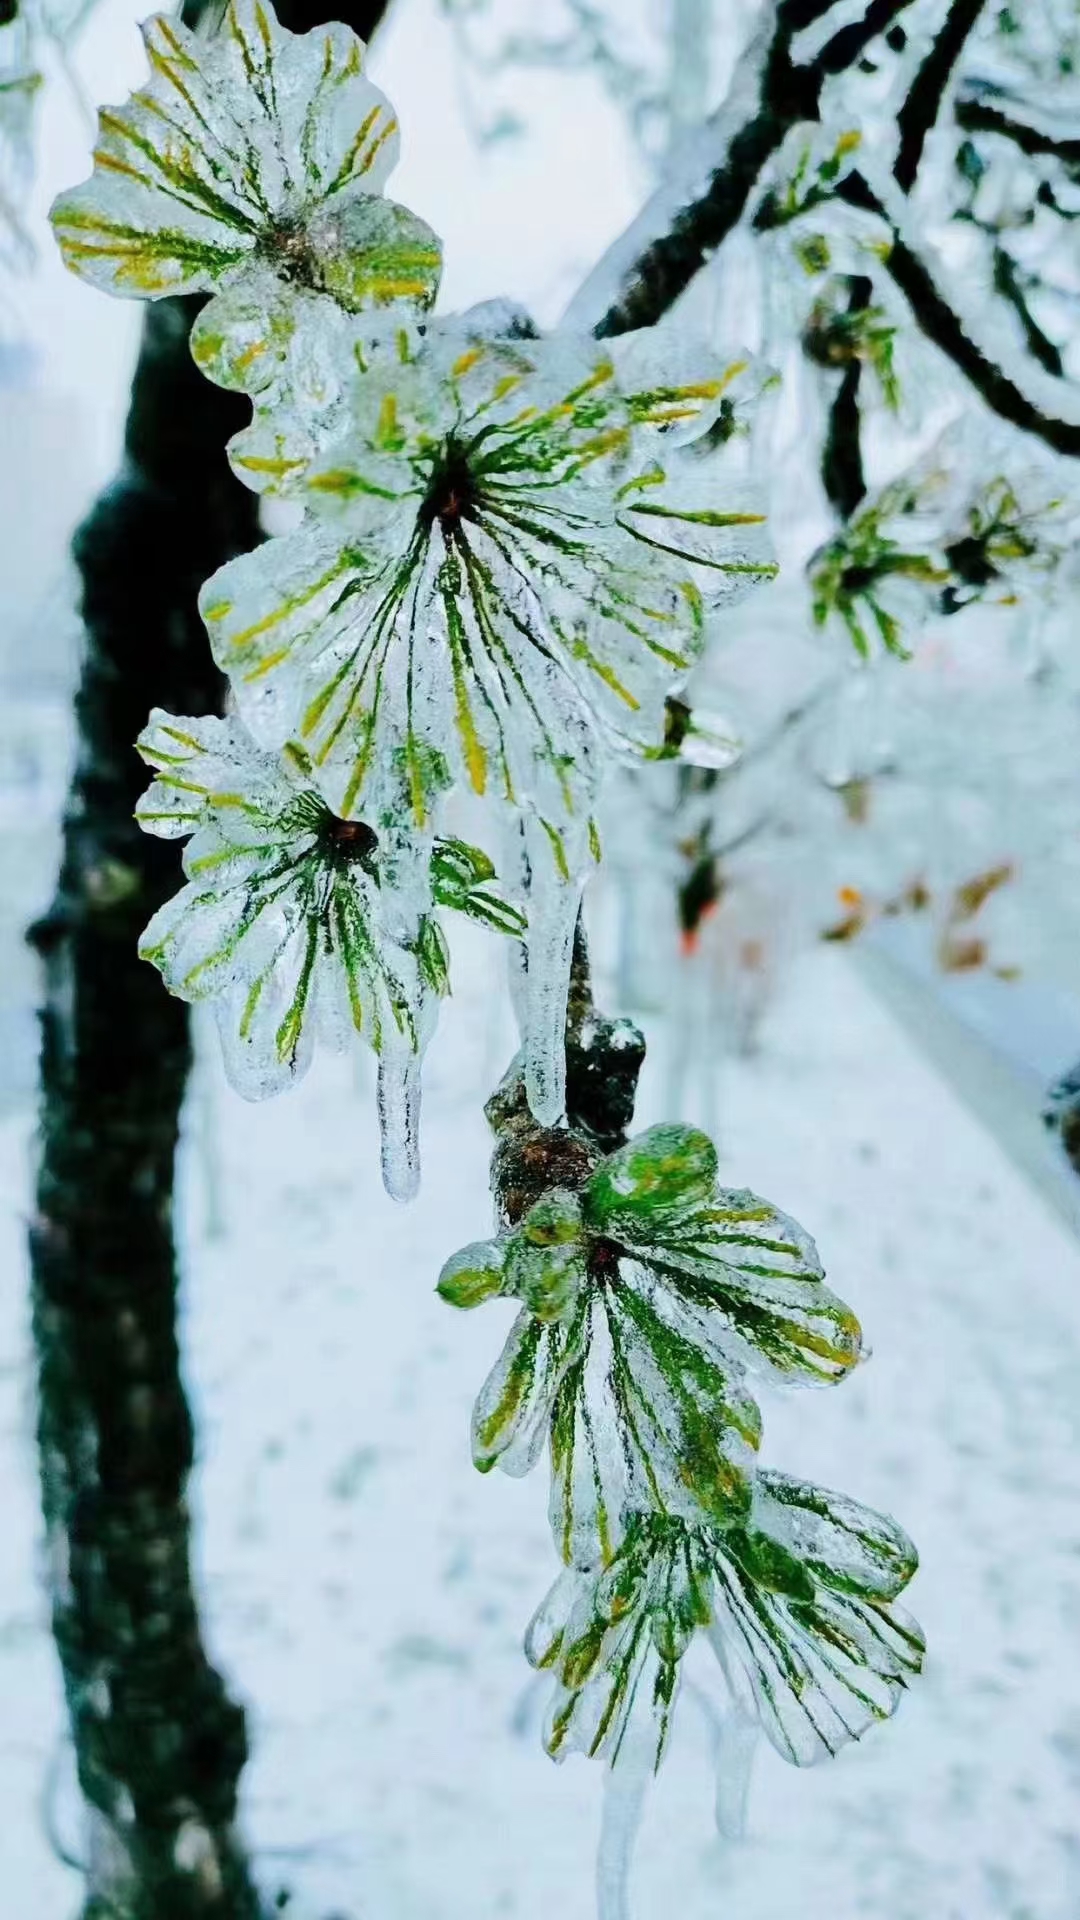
[{"x": 159, "y": 1744}]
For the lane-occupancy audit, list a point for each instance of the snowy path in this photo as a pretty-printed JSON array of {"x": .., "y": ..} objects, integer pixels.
[{"x": 367, "y": 1589}]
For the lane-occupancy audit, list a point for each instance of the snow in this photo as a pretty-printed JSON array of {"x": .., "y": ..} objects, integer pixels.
[{"x": 367, "y": 1590}]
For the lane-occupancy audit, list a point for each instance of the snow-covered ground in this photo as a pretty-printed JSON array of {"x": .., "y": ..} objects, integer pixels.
[{"x": 365, "y": 1589}]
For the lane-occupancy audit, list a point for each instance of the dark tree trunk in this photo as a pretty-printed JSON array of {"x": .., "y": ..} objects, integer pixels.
[{"x": 159, "y": 1744}]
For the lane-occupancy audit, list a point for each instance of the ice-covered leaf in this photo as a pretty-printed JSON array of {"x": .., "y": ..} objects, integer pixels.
[
  {"x": 844, "y": 1545},
  {"x": 252, "y": 165},
  {"x": 819, "y": 1666},
  {"x": 295, "y": 922},
  {"x": 486, "y": 560},
  {"x": 650, "y": 1415},
  {"x": 464, "y": 878},
  {"x": 546, "y": 1256},
  {"x": 723, "y": 1253},
  {"x": 803, "y": 1653},
  {"x": 652, "y": 1181},
  {"x": 473, "y": 1275},
  {"x": 281, "y": 923},
  {"x": 247, "y": 149},
  {"x": 613, "y": 1641},
  {"x": 513, "y": 1407}
]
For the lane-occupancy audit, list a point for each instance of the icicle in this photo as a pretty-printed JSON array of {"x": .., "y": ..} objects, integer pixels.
[
  {"x": 399, "y": 1122},
  {"x": 625, "y": 1787},
  {"x": 735, "y": 1749},
  {"x": 734, "y": 1737},
  {"x": 553, "y": 912}
]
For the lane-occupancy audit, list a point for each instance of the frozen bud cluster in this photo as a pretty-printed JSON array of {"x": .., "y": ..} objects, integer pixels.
[{"x": 648, "y": 1295}]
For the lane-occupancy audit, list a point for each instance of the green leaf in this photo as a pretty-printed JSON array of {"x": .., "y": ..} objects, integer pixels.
[
  {"x": 665, "y": 1169},
  {"x": 473, "y": 1275},
  {"x": 513, "y": 1407},
  {"x": 815, "y": 1672},
  {"x": 604, "y": 1637},
  {"x": 554, "y": 1220},
  {"x": 845, "y": 1546},
  {"x": 546, "y": 1279},
  {"x": 647, "y": 1416},
  {"x": 248, "y": 149},
  {"x": 723, "y": 1252},
  {"x": 433, "y": 955},
  {"x": 814, "y": 1667}
]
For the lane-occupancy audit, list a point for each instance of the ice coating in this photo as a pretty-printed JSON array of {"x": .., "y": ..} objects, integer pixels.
[
  {"x": 299, "y": 925},
  {"x": 625, "y": 1789},
  {"x": 647, "y": 1294},
  {"x": 399, "y": 1121},
  {"x": 507, "y": 562},
  {"x": 253, "y": 161}
]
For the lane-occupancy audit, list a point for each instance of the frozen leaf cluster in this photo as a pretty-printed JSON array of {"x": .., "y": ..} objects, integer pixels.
[
  {"x": 509, "y": 549},
  {"x": 933, "y": 542},
  {"x": 796, "y": 1603},
  {"x": 254, "y": 151},
  {"x": 648, "y": 1296},
  {"x": 296, "y": 924}
]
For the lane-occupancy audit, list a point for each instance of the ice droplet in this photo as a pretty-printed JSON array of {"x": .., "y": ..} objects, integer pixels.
[
  {"x": 553, "y": 912},
  {"x": 399, "y": 1122},
  {"x": 625, "y": 1787}
]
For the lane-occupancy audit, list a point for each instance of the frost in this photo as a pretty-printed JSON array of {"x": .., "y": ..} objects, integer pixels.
[
  {"x": 253, "y": 160},
  {"x": 299, "y": 925}
]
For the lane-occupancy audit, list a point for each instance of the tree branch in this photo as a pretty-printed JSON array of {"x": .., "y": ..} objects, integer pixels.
[
  {"x": 672, "y": 239},
  {"x": 943, "y": 326},
  {"x": 1007, "y": 282},
  {"x": 920, "y": 110},
  {"x": 975, "y": 113},
  {"x": 847, "y": 47},
  {"x": 842, "y": 465}
]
